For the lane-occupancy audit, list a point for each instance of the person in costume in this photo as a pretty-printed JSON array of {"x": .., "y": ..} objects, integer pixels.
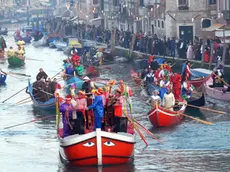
[
  {"x": 165, "y": 66},
  {"x": 11, "y": 52},
  {"x": 2, "y": 75},
  {"x": 98, "y": 110},
  {"x": 88, "y": 85},
  {"x": 69, "y": 71},
  {"x": 168, "y": 100},
  {"x": 155, "y": 99},
  {"x": 144, "y": 73},
  {"x": 149, "y": 79},
  {"x": 219, "y": 65},
  {"x": 187, "y": 90},
  {"x": 218, "y": 78},
  {"x": 41, "y": 75},
  {"x": 164, "y": 85},
  {"x": 81, "y": 107},
  {"x": 99, "y": 55},
  {"x": 79, "y": 69},
  {"x": 75, "y": 59},
  {"x": 67, "y": 111},
  {"x": 176, "y": 85},
  {"x": 187, "y": 72},
  {"x": 118, "y": 110}
]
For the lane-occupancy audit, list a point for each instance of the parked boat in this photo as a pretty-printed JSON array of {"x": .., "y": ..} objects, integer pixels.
[
  {"x": 216, "y": 92},
  {"x": 160, "y": 117},
  {"x": 4, "y": 32},
  {"x": 26, "y": 39},
  {"x": 39, "y": 43},
  {"x": 2, "y": 78},
  {"x": 60, "y": 45},
  {"x": 15, "y": 61},
  {"x": 48, "y": 105}
]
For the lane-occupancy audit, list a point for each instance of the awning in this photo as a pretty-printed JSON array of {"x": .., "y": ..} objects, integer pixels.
[{"x": 213, "y": 27}]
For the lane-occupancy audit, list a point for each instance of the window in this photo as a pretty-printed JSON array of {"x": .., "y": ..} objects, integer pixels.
[
  {"x": 155, "y": 23},
  {"x": 212, "y": 2},
  {"x": 141, "y": 3},
  {"x": 183, "y": 4},
  {"x": 159, "y": 23},
  {"x": 162, "y": 24}
]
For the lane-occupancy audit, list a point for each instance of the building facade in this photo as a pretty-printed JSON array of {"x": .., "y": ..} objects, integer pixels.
[{"x": 184, "y": 19}]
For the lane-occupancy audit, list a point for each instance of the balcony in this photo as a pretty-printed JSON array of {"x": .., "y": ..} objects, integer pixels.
[{"x": 183, "y": 7}]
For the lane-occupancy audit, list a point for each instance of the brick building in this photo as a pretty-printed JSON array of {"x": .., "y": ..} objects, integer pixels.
[{"x": 185, "y": 19}]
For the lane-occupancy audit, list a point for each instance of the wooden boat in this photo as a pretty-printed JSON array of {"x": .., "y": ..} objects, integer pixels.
[
  {"x": 216, "y": 92},
  {"x": 15, "y": 61},
  {"x": 39, "y": 43},
  {"x": 203, "y": 75},
  {"x": 197, "y": 101},
  {"x": 48, "y": 105},
  {"x": 97, "y": 147},
  {"x": 160, "y": 117},
  {"x": 26, "y": 39}
]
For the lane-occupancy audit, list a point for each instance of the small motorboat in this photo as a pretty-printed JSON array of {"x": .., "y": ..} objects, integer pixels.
[
  {"x": 216, "y": 92},
  {"x": 160, "y": 117}
]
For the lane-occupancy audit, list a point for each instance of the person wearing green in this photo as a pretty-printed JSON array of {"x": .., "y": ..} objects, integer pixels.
[{"x": 79, "y": 70}]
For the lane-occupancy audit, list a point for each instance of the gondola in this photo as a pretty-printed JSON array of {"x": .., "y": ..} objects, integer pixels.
[
  {"x": 48, "y": 105},
  {"x": 197, "y": 101},
  {"x": 26, "y": 39},
  {"x": 2, "y": 79},
  {"x": 15, "y": 61},
  {"x": 160, "y": 117}
]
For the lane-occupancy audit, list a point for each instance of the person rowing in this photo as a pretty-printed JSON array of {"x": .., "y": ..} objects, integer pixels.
[
  {"x": 168, "y": 100},
  {"x": 154, "y": 99}
]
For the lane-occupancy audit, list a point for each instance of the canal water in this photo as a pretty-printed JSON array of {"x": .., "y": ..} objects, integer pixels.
[{"x": 190, "y": 146}]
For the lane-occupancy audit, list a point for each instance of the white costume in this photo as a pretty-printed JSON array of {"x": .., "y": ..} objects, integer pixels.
[{"x": 168, "y": 101}]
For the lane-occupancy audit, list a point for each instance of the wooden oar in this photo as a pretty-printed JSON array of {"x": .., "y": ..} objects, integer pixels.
[
  {"x": 23, "y": 100},
  {"x": 207, "y": 109},
  {"x": 13, "y": 95},
  {"x": 136, "y": 128},
  {"x": 222, "y": 80},
  {"x": 20, "y": 74},
  {"x": 197, "y": 119},
  {"x": 34, "y": 120},
  {"x": 24, "y": 89},
  {"x": 33, "y": 59},
  {"x": 148, "y": 132}
]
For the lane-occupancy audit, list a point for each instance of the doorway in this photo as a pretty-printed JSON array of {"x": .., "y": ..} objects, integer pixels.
[{"x": 186, "y": 33}]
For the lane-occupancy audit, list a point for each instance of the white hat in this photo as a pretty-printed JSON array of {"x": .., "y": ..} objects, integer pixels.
[{"x": 86, "y": 78}]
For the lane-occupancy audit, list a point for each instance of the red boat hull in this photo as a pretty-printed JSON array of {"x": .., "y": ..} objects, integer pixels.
[
  {"x": 97, "y": 148},
  {"x": 164, "y": 118},
  {"x": 198, "y": 82}
]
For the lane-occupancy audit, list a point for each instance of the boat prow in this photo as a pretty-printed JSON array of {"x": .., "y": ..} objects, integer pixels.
[
  {"x": 160, "y": 117},
  {"x": 97, "y": 148}
]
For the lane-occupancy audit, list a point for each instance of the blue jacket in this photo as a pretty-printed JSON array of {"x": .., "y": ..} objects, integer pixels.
[
  {"x": 97, "y": 107},
  {"x": 162, "y": 92}
]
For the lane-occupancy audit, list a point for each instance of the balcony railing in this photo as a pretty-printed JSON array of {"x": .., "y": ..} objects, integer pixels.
[{"x": 183, "y": 7}]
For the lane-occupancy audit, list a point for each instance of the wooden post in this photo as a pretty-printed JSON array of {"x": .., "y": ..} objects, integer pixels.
[
  {"x": 225, "y": 47},
  {"x": 132, "y": 45},
  {"x": 203, "y": 49},
  {"x": 113, "y": 39},
  {"x": 211, "y": 54}
]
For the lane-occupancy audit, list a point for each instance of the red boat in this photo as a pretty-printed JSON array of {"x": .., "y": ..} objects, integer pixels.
[
  {"x": 195, "y": 82},
  {"x": 160, "y": 117},
  {"x": 199, "y": 82},
  {"x": 92, "y": 71},
  {"x": 135, "y": 77},
  {"x": 97, "y": 148}
]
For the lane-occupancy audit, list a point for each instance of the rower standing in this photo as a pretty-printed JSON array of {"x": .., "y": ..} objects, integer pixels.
[
  {"x": 41, "y": 74},
  {"x": 168, "y": 100}
]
